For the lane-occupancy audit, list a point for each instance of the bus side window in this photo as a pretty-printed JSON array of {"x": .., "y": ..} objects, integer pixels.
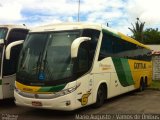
[
  {"x": 17, "y": 34},
  {"x": 94, "y": 35},
  {"x": 106, "y": 48},
  {"x": 10, "y": 66},
  {"x": 82, "y": 60}
]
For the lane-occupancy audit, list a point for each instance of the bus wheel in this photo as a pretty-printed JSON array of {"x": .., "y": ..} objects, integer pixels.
[
  {"x": 146, "y": 82},
  {"x": 142, "y": 85},
  {"x": 100, "y": 97}
]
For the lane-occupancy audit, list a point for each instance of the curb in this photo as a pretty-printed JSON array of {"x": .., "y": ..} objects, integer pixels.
[{"x": 157, "y": 89}]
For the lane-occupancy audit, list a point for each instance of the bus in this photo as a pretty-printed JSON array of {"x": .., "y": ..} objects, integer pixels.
[
  {"x": 67, "y": 66},
  {"x": 10, "y": 36}
]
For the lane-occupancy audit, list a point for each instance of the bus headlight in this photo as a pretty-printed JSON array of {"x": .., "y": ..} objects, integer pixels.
[
  {"x": 66, "y": 91},
  {"x": 47, "y": 96}
]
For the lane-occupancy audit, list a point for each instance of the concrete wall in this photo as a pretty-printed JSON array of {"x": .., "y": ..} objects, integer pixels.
[
  {"x": 154, "y": 47},
  {"x": 156, "y": 67},
  {"x": 156, "y": 61}
]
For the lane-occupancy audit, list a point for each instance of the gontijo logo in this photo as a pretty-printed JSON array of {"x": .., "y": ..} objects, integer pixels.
[
  {"x": 84, "y": 98},
  {"x": 139, "y": 65},
  {"x": 27, "y": 89}
]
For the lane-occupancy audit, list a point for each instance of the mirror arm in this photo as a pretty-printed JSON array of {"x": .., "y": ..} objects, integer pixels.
[
  {"x": 9, "y": 47},
  {"x": 75, "y": 45}
]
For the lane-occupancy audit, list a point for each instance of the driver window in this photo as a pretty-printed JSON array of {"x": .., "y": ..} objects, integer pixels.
[
  {"x": 83, "y": 58},
  {"x": 10, "y": 66}
]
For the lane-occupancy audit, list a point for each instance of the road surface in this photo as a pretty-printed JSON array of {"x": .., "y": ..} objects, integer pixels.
[{"x": 130, "y": 104}]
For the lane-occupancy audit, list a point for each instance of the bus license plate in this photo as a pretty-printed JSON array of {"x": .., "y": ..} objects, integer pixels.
[{"x": 36, "y": 103}]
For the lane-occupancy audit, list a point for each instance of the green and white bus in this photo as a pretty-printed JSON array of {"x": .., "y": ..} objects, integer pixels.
[
  {"x": 71, "y": 65},
  {"x": 9, "y": 36}
]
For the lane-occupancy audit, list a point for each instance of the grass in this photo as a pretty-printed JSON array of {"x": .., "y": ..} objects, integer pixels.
[{"x": 155, "y": 84}]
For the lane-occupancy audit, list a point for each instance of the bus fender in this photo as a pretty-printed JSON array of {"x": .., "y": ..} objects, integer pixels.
[{"x": 104, "y": 83}]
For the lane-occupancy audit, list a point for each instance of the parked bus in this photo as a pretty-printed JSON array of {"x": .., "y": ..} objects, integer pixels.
[
  {"x": 71, "y": 65},
  {"x": 9, "y": 36}
]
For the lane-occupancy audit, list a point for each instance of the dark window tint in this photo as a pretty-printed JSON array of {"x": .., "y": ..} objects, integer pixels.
[
  {"x": 113, "y": 46},
  {"x": 3, "y": 33},
  {"x": 10, "y": 66},
  {"x": 94, "y": 35},
  {"x": 86, "y": 52},
  {"x": 17, "y": 34},
  {"x": 82, "y": 60}
]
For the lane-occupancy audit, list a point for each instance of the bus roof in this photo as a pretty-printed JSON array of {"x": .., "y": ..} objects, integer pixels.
[
  {"x": 85, "y": 25},
  {"x": 9, "y": 26},
  {"x": 66, "y": 26}
]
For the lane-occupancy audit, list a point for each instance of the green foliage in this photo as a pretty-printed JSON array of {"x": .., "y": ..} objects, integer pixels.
[
  {"x": 137, "y": 30},
  {"x": 155, "y": 84},
  {"x": 147, "y": 36},
  {"x": 151, "y": 36}
]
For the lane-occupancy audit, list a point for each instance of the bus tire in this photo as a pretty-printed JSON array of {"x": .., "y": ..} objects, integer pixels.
[
  {"x": 146, "y": 82},
  {"x": 100, "y": 97},
  {"x": 142, "y": 85}
]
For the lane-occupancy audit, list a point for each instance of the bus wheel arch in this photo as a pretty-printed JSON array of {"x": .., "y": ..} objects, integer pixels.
[{"x": 101, "y": 95}]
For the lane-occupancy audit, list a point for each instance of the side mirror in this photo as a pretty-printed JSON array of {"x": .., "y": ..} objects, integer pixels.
[
  {"x": 10, "y": 46},
  {"x": 75, "y": 45},
  {"x": 1, "y": 41}
]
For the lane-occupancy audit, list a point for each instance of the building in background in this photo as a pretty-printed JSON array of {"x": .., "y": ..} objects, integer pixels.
[{"x": 156, "y": 61}]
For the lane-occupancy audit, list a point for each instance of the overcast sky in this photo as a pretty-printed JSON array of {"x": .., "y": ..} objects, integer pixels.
[{"x": 118, "y": 13}]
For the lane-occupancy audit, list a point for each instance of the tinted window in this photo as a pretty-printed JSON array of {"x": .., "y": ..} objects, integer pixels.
[
  {"x": 17, "y": 34},
  {"x": 113, "y": 46},
  {"x": 86, "y": 52},
  {"x": 94, "y": 35},
  {"x": 10, "y": 66},
  {"x": 3, "y": 33}
]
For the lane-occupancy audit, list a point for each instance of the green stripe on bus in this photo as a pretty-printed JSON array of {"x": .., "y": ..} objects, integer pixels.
[
  {"x": 123, "y": 71},
  {"x": 52, "y": 89},
  {"x": 127, "y": 71},
  {"x": 120, "y": 71},
  {"x": 1, "y": 82}
]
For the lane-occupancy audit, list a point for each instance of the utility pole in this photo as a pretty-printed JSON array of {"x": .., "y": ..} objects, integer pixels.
[
  {"x": 78, "y": 9},
  {"x": 107, "y": 24}
]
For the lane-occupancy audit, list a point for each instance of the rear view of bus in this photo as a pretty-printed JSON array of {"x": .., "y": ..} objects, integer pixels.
[
  {"x": 9, "y": 35},
  {"x": 68, "y": 66}
]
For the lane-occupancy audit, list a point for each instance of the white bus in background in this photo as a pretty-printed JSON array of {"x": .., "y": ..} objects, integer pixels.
[{"x": 11, "y": 36}]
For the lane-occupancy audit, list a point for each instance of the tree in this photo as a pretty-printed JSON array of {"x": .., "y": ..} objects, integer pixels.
[
  {"x": 138, "y": 30},
  {"x": 151, "y": 36}
]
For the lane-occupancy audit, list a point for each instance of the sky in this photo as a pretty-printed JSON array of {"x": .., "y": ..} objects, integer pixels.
[{"x": 119, "y": 14}]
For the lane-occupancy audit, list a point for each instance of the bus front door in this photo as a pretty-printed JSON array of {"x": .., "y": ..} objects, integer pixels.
[
  {"x": 7, "y": 80},
  {"x": 1, "y": 94},
  {"x": 8, "y": 86}
]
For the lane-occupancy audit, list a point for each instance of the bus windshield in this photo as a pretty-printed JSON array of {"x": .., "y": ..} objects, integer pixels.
[
  {"x": 3, "y": 32},
  {"x": 46, "y": 57}
]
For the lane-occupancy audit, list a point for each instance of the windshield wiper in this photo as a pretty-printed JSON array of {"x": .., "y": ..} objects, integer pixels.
[
  {"x": 38, "y": 68},
  {"x": 46, "y": 67},
  {"x": 24, "y": 58},
  {"x": 45, "y": 62}
]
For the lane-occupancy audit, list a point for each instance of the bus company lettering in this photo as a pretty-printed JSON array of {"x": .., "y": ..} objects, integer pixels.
[
  {"x": 139, "y": 65},
  {"x": 104, "y": 66},
  {"x": 28, "y": 89}
]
